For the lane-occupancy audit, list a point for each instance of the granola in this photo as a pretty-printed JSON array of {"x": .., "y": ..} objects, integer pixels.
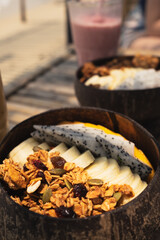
[{"x": 67, "y": 194}]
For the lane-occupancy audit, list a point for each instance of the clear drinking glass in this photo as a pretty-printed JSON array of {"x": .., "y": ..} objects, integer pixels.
[{"x": 96, "y": 27}]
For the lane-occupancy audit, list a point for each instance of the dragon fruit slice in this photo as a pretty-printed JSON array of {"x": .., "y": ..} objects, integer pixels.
[
  {"x": 73, "y": 137},
  {"x": 114, "y": 139},
  {"x": 98, "y": 142},
  {"x": 123, "y": 158}
]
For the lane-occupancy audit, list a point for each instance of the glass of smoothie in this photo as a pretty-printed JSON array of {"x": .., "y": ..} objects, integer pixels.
[{"x": 96, "y": 27}]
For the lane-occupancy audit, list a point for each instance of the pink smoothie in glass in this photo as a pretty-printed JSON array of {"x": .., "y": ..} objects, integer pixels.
[{"x": 95, "y": 36}]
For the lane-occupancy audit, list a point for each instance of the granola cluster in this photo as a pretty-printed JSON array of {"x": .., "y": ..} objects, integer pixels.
[
  {"x": 139, "y": 61},
  {"x": 51, "y": 186}
]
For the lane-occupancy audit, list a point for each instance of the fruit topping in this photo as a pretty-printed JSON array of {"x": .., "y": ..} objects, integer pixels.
[
  {"x": 58, "y": 162},
  {"x": 65, "y": 212},
  {"x": 40, "y": 174},
  {"x": 25, "y": 168},
  {"x": 79, "y": 190},
  {"x": 38, "y": 164}
]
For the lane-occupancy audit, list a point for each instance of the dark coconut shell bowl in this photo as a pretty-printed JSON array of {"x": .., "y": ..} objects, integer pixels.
[
  {"x": 139, "y": 219},
  {"x": 141, "y": 105}
]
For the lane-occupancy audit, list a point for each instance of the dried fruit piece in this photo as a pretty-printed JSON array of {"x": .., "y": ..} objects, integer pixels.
[
  {"x": 38, "y": 164},
  {"x": 58, "y": 162},
  {"x": 97, "y": 201},
  {"x": 117, "y": 196},
  {"x": 25, "y": 168},
  {"x": 57, "y": 171},
  {"x": 95, "y": 182},
  {"x": 41, "y": 175},
  {"x": 79, "y": 190},
  {"x": 46, "y": 195},
  {"x": 65, "y": 212},
  {"x": 68, "y": 184}
]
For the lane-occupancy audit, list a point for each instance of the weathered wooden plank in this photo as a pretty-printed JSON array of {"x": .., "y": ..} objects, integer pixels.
[
  {"x": 49, "y": 88},
  {"x": 19, "y": 112},
  {"x": 47, "y": 95},
  {"x": 24, "y": 109},
  {"x": 53, "y": 89},
  {"x": 37, "y": 102}
]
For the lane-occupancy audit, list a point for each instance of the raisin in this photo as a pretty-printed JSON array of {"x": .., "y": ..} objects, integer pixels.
[
  {"x": 25, "y": 168},
  {"x": 79, "y": 190},
  {"x": 39, "y": 165},
  {"x": 65, "y": 212},
  {"x": 41, "y": 174},
  {"x": 58, "y": 162}
]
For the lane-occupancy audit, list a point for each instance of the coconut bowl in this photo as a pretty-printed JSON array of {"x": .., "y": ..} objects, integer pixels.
[
  {"x": 137, "y": 220},
  {"x": 141, "y": 105}
]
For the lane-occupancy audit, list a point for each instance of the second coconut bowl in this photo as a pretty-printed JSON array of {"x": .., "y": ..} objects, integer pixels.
[{"x": 141, "y": 105}]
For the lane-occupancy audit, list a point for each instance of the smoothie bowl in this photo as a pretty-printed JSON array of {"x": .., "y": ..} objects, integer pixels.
[
  {"x": 125, "y": 84},
  {"x": 79, "y": 173}
]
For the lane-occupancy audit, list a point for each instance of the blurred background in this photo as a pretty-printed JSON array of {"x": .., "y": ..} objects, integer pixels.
[
  {"x": 34, "y": 34},
  {"x": 37, "y": 56}
]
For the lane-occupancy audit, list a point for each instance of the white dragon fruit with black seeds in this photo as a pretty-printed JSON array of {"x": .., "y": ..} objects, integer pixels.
[
  {"x": 123, "y": 158},
  {"x": 98, "y": 142}
]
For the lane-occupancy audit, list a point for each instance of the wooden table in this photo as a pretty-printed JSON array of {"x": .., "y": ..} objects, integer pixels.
[{"x": 52, "y": 89}]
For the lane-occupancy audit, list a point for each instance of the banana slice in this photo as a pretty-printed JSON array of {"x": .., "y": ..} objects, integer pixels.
[
  {"x": 71, "y": 154},
  {"x": 28, "y": 142},
  {"x": 136, "y": 182},
  {"x": 110, "y": 172},
  {"x": 138, "y": 186},
  {"x": 61, "y": 148},
  {"x": 97, "y": 167},
  {"x": 20, "y": 153},
  {"x": 84, "y": 160},
  {"x": 92, "y": 80},
  {"x": 44, "y": 146},
  {"x": 21, "y": 156},
  {"x": 141, "y": 188},
  {"x": 125, "y": 176}
]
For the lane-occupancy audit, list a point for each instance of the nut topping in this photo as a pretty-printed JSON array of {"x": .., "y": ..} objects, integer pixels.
[{"x": 33, "y": 186}]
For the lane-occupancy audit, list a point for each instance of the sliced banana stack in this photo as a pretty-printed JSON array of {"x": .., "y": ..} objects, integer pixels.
[
  {"x": 73, "y": 155},
  {"x": 22, "y": 145},
  {"x": 20, "y": 153},
  {"x": 110, "y": 172}
]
